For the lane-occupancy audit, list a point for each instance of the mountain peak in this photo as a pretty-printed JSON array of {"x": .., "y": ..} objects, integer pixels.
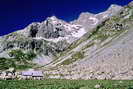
[
  {"x": 84, "y": 14},
  {"x": 114, "y": 7},
  {"x": 52, "y": 18},
  {"x": 130, "y": 4}
]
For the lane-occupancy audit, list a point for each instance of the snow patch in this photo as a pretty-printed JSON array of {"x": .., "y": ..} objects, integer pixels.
[
  {"x": 105, "y": 16},
  {"x": 52, "y": 40},
  {"x": 53, "y": 18},
  {"x": 68, "y": 27},
  {"x": 79, "y": 33},
  {"x": 75, "y": 31},
  {"x": 57, "y": 39},
  {"x": 95, "y": 20}
]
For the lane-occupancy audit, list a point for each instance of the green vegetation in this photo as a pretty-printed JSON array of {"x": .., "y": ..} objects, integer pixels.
[
  {"x": 6, "y": 63},
  {"x": 68, "y": 61},
  {"x": 116, "y": 18},
  {"x": 109, "y": 28},
  {"x": 76, "y": 56},
  {"x": 131, "y": 16},
  {"x": 21, "y": 56},
  {"x": 65, "y": 84},
  {"x": 88, "y": 45},
  {"x": 19, "y": 60}
]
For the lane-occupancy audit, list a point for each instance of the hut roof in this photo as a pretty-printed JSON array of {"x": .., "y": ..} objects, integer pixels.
[
  {"x": 37, "y": 73},
  {"x": 32, "y": 73},
  {"x": 27, "y": 73}
]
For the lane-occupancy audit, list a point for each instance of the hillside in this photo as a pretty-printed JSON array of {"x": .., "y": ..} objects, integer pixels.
[{"x": 105, "y": 53}]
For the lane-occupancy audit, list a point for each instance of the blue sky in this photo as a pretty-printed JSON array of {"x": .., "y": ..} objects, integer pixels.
[{"x": 17, "y": 14}]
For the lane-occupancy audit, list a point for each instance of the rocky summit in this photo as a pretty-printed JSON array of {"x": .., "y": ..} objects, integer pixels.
[{"x": 94, "y": 46}]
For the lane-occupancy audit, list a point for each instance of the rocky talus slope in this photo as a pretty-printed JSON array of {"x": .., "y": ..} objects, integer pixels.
[{"x": 95, "y": 46}]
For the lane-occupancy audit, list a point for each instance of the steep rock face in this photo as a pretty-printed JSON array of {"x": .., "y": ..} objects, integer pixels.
[
  {"x": 47, "y": 38},
  {"x": 53, "y": 28},
  {"x": 10, "y": 42}
]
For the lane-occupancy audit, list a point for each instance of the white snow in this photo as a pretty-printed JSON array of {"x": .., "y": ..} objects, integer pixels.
[
  {"x": 54, "y": 21},
  {"x": 57, "y": 39},
  {"x": 68, "y": 27},
  {"x": 76, "y": 26},
  {"x": 53, "y": 18},
  {"x": 52, "y": 40},
  {"x": 72, "y": 27},
  {"x": 76, "y": 31},
  {"x": 79, "y": 33},
  {"x": 105, "y": 16},
  {"x": 95, "y": 20}
]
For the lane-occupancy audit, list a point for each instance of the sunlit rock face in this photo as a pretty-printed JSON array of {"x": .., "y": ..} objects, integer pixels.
[
  {"x": 53, "y": 29},
  {"x": 47, "y": 38},
  {"x": 89, "y": 20}
]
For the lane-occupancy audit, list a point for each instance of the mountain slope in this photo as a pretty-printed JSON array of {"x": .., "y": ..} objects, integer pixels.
[
  {"x": 106, "y": 53},
  {"x": 48, "y": 39}
]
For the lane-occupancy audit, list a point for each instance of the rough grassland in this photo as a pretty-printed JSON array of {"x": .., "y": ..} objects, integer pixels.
[{"x": 65, "y": 84}]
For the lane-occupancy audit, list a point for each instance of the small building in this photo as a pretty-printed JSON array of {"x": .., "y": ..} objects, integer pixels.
[
  {"x": 37, "y": 75},
  {"x": 26, "y": 74},
  {"x": 7, "y": 75},
  {"x": 2, "y": 75},
  {"x": 32, "y": 74}
]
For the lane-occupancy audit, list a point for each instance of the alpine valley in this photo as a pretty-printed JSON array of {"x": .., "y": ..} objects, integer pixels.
[{"x": 94, "y": 46}]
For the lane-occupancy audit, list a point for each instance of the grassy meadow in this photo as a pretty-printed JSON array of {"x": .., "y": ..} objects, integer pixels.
[{"x": 65, "y": 84}]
